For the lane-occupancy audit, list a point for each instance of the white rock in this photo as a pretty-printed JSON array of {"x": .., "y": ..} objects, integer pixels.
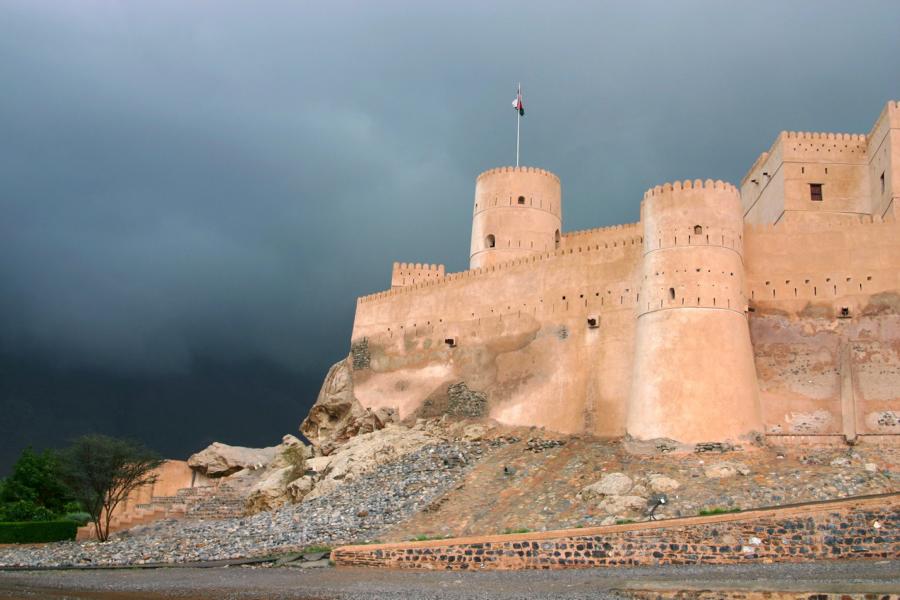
[
  {"x": 871, "y": 467},
  {"x": 722, "y": 470},
  {"x": 611, "y": 484},
  {"x": 661, "y": 483},
  {"x": 220, "y": 460}
]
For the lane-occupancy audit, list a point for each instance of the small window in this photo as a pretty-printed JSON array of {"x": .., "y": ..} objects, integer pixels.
[
  {"x": 521, "y": 199},
  {"x": 556, "y": 236},
  {"x": 490, "y": 241},
  {"x": 450, "y": 342},
  {"x": 671, "y": 293},
  {"x": 845, "y": 312},
  {"x": 593, "y": 322},
  {"x": 882, "y": 182},
  {"x": 698, "y": 230},
  {"x": 815, "y": 192}
]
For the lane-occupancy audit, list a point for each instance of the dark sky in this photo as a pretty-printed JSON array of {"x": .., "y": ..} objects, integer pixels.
[{"x": 192, "y": 194}]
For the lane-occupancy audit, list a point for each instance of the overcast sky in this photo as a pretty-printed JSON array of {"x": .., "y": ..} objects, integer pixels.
[{"x": 193, "y": 194}]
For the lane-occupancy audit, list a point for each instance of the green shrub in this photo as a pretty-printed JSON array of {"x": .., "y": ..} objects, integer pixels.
[
  {"x": 34, "y": 532},
  {"x": 316, "y": 549},
  {"x": 295, "y": 456},
  {"x": 36, "y": 478},
  {"x": 624, "y": 521},
  {"x": 510, "y": 531},
  {"x": 717, "y": 510},
  {"x": 25, "y": 510},
  {"x": 81, "y": 518}
]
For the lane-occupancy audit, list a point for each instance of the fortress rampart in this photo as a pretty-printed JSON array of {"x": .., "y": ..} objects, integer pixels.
[{"x": 722, "y": 314}]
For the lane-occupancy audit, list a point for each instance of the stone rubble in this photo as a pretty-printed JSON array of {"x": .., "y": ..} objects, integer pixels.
[{"x": 356, "y": 511}]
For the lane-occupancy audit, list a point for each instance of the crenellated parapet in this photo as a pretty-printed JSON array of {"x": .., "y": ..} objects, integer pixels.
[
  {"x": 689, "y": 184},
  {"x": 406, "y": 274},
  {"x": 517, "y": 212},
  {"x": 536, "y": 170},
  {"x": 808, "y": 146}
]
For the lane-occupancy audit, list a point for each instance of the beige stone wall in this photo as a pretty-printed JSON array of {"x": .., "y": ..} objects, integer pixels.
[
  {"x": 520, "y": 334},
  {"x": 517, "y": 214},
  {"x": 694, "y": 377},
  {"x": 821, "y": 374},
  {"x": 643, "y": 327},
  {"x": 404, "y": 274}
]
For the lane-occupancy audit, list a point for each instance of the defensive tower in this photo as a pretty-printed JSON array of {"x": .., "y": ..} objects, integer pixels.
[
  {"x": 694, "y": 376},
  {"x": 518, "y": 213}
]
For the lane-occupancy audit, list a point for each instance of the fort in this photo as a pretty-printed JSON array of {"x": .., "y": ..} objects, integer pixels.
[{"x": 725, "y": 314}]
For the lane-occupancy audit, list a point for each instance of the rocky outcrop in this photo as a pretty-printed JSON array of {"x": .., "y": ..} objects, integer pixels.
[
  {"x": 222, "y": 460},
  {"x": 338, "y": 416},
  {"x": 275, "y": 486},
  {"x": 362, "y": 454}
]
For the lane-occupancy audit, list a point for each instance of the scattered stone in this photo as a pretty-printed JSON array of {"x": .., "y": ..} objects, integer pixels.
[
  {"x": 871, "y": 467},
  {"x": 617, "y": 505},
  {"x": 539, "y": 445},
  {"x": 717, "y": 447},
  {"x": 463, "y": 402},
  {"x": 840, "y": 461}
]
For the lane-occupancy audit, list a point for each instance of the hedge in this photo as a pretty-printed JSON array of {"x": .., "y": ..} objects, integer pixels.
[{"x": 31, "y": 532}]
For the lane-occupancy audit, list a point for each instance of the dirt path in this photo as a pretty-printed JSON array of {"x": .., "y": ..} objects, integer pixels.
[{"x": 242, "y": 583}]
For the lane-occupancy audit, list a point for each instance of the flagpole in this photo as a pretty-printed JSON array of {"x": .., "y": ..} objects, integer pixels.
[{"x": 518, "y": 120}]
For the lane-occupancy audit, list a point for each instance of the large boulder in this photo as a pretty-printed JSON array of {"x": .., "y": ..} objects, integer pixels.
[
  {"x": 222, "y": 460},
  {"x": 275, "y": 486},
  {"x": 611, "y": 484},
  {"x": 338, "y": 416}
]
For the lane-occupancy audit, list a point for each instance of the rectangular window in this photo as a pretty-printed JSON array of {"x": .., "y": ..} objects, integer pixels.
[{"x": 815, "y": 192}]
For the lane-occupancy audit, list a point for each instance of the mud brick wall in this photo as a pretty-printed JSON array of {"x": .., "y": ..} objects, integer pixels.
[{"x": 845, "y": 529}]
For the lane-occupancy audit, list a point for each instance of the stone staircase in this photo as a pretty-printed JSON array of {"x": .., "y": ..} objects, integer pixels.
[
  {"x": 178, "y": 493},
  {"x": 160, "y": 507},
  {"x": 212, "y": 502}
]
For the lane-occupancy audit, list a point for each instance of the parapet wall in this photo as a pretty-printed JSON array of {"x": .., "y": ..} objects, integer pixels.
[
  {"x": 405, "y": 274},
  {"x": 856, "y": 528}
]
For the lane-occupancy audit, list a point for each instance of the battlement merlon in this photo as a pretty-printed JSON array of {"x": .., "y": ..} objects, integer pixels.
[{"x": 404, "y": 274}]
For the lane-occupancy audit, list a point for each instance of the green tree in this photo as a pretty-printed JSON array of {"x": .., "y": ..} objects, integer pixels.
[
  {"x": 101, "y": 471},
  {"x": 35, "y": 481}
]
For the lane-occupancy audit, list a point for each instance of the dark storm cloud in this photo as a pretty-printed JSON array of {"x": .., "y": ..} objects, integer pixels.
[{"x": 221, "y": 179}]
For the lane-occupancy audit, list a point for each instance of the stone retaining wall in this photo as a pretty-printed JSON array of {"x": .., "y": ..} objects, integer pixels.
[{"x": 846, "y": 529}]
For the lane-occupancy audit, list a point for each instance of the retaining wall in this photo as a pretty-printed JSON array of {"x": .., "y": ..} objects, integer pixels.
[{"x": 858, "y": 528}]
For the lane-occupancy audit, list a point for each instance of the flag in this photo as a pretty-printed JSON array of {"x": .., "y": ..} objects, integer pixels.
[{"x": 518, "y": 105}]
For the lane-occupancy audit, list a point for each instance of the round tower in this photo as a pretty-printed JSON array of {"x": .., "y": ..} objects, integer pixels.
[
  {"x": 694, "y": 377},
  {"x": 517, "y": 213}
]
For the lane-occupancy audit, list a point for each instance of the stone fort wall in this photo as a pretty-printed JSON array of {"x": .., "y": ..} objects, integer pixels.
[{"x": 719, "y": 314}]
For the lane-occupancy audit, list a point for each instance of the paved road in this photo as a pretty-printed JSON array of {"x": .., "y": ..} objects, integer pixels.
[{"x": 240, "y": 583}]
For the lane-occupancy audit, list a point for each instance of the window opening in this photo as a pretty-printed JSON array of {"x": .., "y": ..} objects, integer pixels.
[{"x": 815, "y": 192}]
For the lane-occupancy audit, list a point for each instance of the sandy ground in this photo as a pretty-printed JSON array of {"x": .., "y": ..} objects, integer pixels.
[{"x": 857, "y": 577}]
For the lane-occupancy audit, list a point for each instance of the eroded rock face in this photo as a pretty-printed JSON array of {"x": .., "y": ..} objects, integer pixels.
[
  {"x": 275, "y": 486},
  {"x": 364, "y": 453},
  {"x": 222, "y": 460},
  {"x": 338, "y": 416}
]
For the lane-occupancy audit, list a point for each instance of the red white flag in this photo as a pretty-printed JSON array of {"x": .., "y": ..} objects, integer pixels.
[{"x": 518, "y": 105}]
